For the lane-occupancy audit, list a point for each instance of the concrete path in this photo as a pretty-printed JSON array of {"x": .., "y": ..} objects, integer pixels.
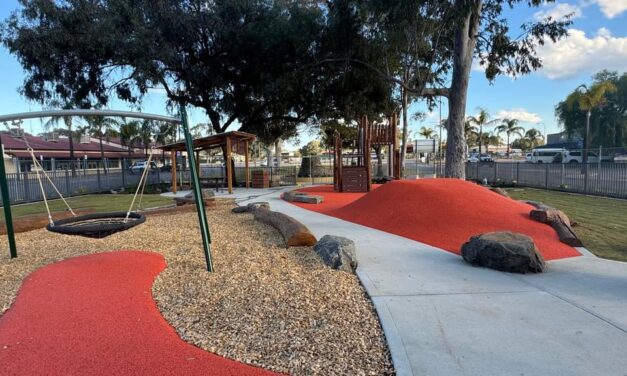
[{"x": 444, "y": 317}]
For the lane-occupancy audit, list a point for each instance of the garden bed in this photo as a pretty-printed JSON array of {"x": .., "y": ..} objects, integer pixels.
[{"x": 265, "y": 305}]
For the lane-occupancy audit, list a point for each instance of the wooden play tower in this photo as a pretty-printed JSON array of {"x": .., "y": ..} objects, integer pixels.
[{"x": 352, "y": 171}]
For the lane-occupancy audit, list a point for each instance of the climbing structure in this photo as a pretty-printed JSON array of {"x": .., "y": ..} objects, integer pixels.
[{"x": 352, "y": 171}]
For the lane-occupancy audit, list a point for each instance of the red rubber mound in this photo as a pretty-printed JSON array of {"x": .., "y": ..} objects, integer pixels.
[
  {"x": 94, "y": 315},
  {"x": 444, "y": 213}
]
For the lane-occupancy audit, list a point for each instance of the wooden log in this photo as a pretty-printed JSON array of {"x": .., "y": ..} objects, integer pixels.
[
  {"x": 294, "y": 232},
  {"x": 566, "y": 234},
  {"x": 499, "y": 191},
  {"x": 556, "y": 219}
]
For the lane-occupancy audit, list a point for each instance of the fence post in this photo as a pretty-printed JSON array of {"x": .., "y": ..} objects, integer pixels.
[
  {"x": 98, "y": 175},
  {"x": 496, "y": 171},
  {"x": 124, "y": 172},
  {"x": 517, "y": 172},
  {"x": 27, "y": 197},
  {"x": 562, "y": 174},
  {"x": 311, "y": 176},
  {"x": 585, "y": 179},
  {"x": 67, "y": 182},
  {"x": 546, "y": 176}
]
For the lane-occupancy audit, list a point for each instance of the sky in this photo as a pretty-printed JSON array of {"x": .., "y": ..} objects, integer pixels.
[{"x": 597, "y": 40}]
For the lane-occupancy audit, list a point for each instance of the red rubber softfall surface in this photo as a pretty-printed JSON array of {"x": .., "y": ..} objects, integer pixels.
[
  {"x": 444, "y": 213},
  {"x": 94, "y": 315}
]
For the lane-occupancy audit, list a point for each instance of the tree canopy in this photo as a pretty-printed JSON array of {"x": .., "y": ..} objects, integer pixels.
[
  {"x": 608, "y": 120},
  {"x": 271, "y": 65}
]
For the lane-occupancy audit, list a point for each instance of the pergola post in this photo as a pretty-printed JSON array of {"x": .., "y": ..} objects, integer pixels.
[
  {"x": 173, "y": 157},
  {"x": 229, "y": 173},
  {"x": 246, "y": 164}
]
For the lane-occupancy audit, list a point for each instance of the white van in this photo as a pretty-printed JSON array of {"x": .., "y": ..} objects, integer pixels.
[
  {"x": 574, "y": 156},
  {"x": 545, "y": 155}
]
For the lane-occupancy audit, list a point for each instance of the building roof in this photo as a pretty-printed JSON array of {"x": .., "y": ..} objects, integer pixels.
[
  {"x": 17, "y": 147},
  {"x": 209, "y": 142}
]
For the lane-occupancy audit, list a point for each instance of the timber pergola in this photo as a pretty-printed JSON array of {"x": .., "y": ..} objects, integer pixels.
[{"x": 237, "y": 140}]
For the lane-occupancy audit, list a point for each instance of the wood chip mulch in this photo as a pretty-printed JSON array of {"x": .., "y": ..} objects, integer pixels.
[{"x": 276, "y": 308}]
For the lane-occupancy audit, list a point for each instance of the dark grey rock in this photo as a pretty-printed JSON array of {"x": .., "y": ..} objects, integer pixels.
[
  {"x": 337, "y": 252},
  {"x": 240, "y": 209},
  {"x": 504, "y": 251},
  {"x": 251, "y": 207}
]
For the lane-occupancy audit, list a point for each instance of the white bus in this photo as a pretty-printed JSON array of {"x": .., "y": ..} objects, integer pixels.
[{"x": 546, "y": 155}]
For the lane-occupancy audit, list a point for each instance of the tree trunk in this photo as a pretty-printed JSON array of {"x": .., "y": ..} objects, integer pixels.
[
  {"x": 277, "y": 152},
  {"x": 269, "y": 156},
  {"x": 508, "y": 145},
  {"x": 464, "y": 46},
  {"x": 586, "y": 139},
  {"x": 404, "y": 95}
]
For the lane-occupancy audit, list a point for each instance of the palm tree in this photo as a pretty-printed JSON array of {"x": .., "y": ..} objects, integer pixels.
[
  {"x": 426, "y": 132},
  {"x": 145, "y": 134},
  {"x": 130, "y": 136},
  {"x": 490, "y": 140},
  {"x": 481, "y": 120},
  {"x": 102, "y": 128},
  {"x": 587, "y": 99},
  {"x": 67, "y": 120},
  {"x": 470, "y": 134},
  {"x": 510, "y": 127},
  {"x": 164, "y": 134},
  {"x": 534, "y": 138}
]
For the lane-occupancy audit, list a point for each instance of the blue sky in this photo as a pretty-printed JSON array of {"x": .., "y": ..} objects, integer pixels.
[{"x": 598, "y": 39}]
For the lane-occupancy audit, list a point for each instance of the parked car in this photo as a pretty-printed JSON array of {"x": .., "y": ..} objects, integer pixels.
[
  {"x": 139, "y": 166},
  {"x": 620, "y": 158},
  {"x": 476, "y": 158},
  {"x": 168, "y": 167}
]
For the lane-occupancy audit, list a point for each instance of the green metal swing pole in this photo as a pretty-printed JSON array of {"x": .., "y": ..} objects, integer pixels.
[
  {"x": 6, "y": 204},
  {"x": 200, "y": 207}
]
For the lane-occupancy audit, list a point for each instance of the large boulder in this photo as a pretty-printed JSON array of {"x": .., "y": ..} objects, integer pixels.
[
  {"x": 504, "y": 251},
  {"x": 295, "y": 196},
  {"x": 337, "y": 252}
]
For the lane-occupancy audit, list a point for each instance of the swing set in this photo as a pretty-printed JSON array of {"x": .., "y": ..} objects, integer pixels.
[{"x": 99, "y": 225}]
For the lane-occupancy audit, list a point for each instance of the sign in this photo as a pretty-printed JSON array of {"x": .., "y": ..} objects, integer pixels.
[{"x": 425, "y": 146}]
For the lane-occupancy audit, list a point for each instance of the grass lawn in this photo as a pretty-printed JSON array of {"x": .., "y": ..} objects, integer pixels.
[
  {"x": 97, "y": 203},
  {"x": 601, "y": 222}
]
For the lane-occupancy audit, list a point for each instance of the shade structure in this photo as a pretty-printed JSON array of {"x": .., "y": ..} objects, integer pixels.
[{"x": 237, "y": 140}]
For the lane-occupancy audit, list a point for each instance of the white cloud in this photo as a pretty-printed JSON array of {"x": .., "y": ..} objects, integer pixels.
[
  {"x": 558, "y": 11},
  {"x": 520, "y": 114},
  {"x": 578, "y": 54},
  {"x": 612, "y": 8}
]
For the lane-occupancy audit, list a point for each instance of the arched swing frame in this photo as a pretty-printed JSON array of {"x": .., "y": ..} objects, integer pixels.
[{"x": 202, "y": 217}]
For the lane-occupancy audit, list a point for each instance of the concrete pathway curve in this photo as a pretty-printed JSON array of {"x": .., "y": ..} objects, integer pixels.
[{"x": 443, "y": 317}]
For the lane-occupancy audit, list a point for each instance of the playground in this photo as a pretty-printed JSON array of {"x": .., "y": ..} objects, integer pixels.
[
  {"x": 123, "y": 274},
  {"x": 262, "y": 305}
]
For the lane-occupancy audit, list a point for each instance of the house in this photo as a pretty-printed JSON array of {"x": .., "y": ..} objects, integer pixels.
[{"x": 53, "y": 152}]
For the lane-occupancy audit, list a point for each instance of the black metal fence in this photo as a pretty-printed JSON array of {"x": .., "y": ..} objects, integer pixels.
[
  {"x": 601, "y": 179},
  {"x": 24, "y": 187}
]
